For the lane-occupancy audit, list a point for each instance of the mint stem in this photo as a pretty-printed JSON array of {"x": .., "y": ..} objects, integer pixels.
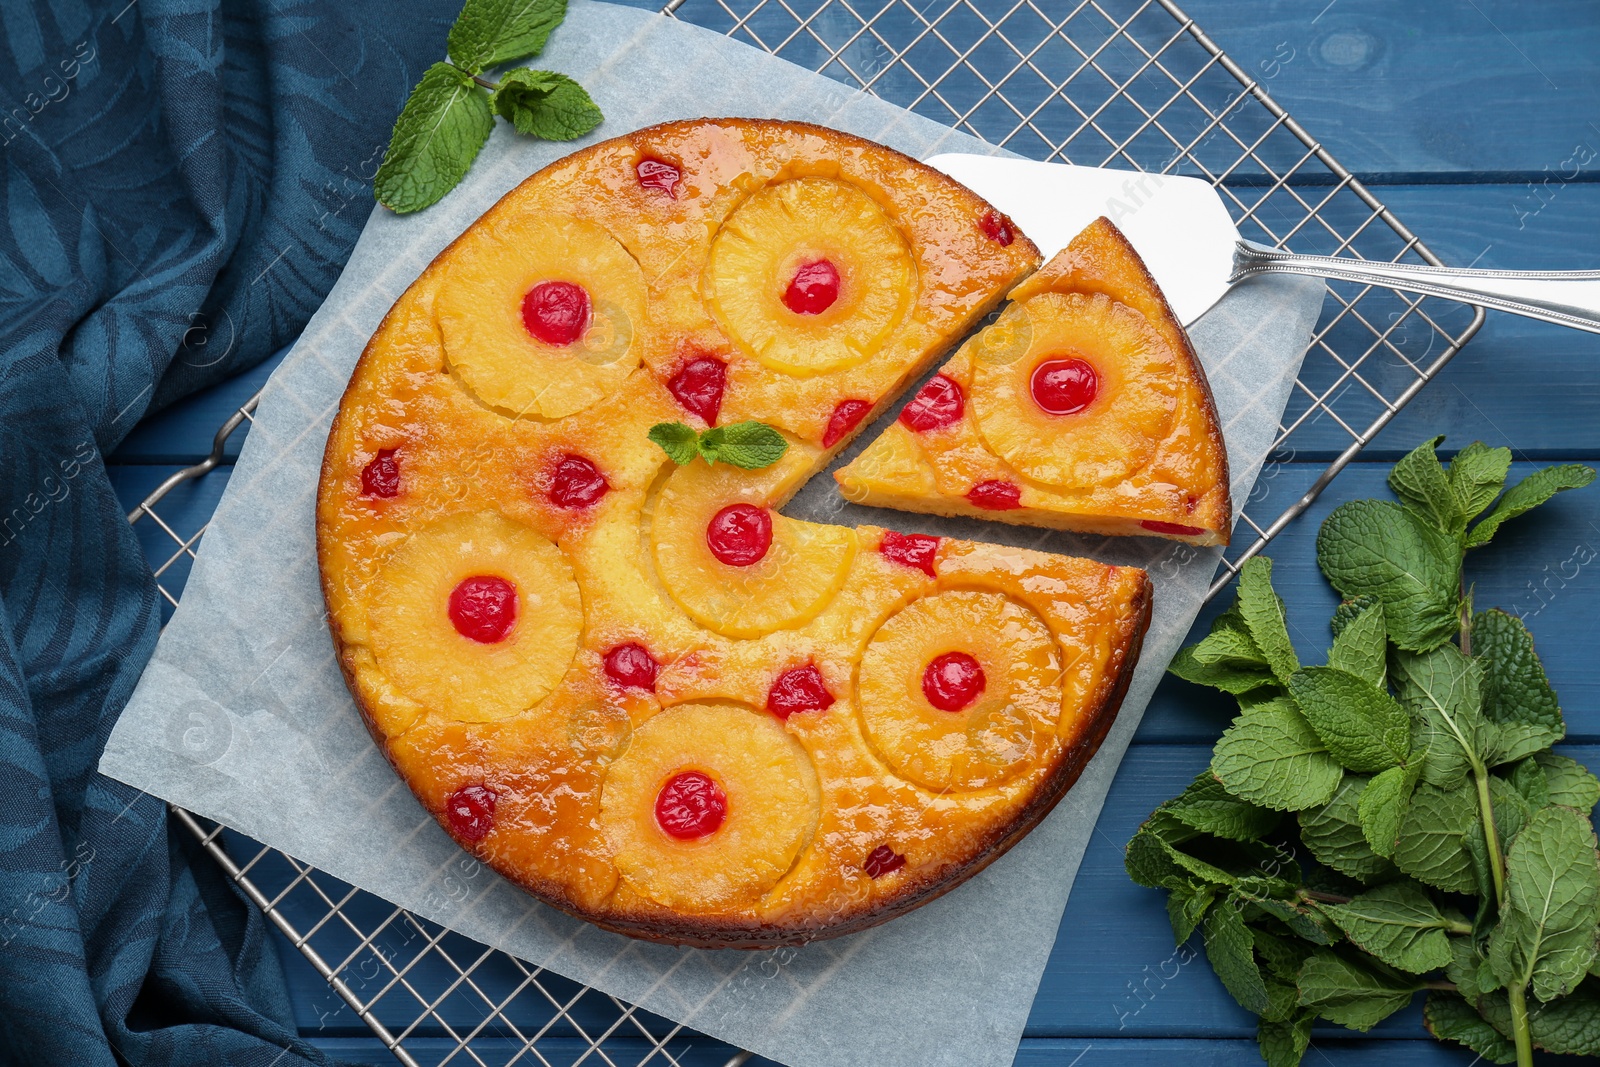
[
  {"x": 1324, "y": 898},
  {"x": 1519, "y": 1024}
]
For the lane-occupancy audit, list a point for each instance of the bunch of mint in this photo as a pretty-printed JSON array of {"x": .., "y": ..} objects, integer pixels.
[
  {"x": 1395, "y": 820},
  {"x": 450, "y": 113}
]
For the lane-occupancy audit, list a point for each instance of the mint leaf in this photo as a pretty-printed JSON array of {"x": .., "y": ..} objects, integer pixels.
[
  {"x": 1361, "y": 725},
  {"x": 1419, "y": 480},
  {"x": 1529, "y": 780},
  {"x": 1469, "y": 970},
  {"x": 1449, "y": 1018},
  {"x": 1348, "y": 610},
  {"x": 1528, "y": 494},
  {"x": 1229, "y": 948},
  {"x": 1383, "y": 805},
  {"x": 749, "y": 445},
  {"x": 1399, "y": 924},
  {"x": 542, "y": 103},
  {"x": 1516, "y": 693},
  {"x": 1357, "y": 995},
  {"x": 488, "y": 33},
  {"x": 1186, "y": 906},
  {"x": 1283, "y": 1044},
  {"x": 1568, "y": 782},
  {"x": 437, "y": 136},
  {"x": 678, "y": 441},
  {"x": 1271, "y": 757},
  {"x": 1208, "y": 807},
  {"x": 1442, "y": 690},
  {"x": 1547, "y": 926},
  {"x": 1511, "y": 811},
  {"x": 1477, "y": 475},
  {"x": 1334, "y": 835},
  {"x": 1263, "y": 615},
  {"x": 1432, "y": 846},
  {"x": 1361, "y": 644},
  {"x": 1380, "y": 549}
]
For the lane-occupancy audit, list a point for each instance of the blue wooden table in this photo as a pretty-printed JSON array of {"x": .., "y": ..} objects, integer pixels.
[{"x": 1476, "y": 121}]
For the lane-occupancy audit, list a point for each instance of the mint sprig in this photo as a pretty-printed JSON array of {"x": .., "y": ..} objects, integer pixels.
[
  {"x": 450, "y": 113},
  {"x": 749, "y": 445},
  {"x": 1454, "y": 851}
]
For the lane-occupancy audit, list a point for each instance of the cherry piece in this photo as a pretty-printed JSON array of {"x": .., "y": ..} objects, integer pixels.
[
  {"x": 556, "y": 313},
  {"x": 1157, "y": 526},
  {"x": 381, "y": 476},
  {"x": 813, "y": 289},
  {"x": 912, "y": 550},
  {"x": 698, "y": 386},
  {"x": 997, "y": 228},
  {"x": 798, "y": 689},
  {"x": 576, "y": 482},
  {"x": 952, "y": 681},
  {"x": 470, "y": 811},
  {"x": 484, "y": 608},
  {"x": 996, "y": 496},
  {"x": 658, "y": 174},
  {"x": 740, "y": 534},
  {"x": 691, "y": 806},
  {"x": 937, "y": 404},
  {"x": 1064, "y": 386},
  {"x": 843, "y": 420},
  {"x": 881, "y": 861},
  {"x": 632, "y": 667}
]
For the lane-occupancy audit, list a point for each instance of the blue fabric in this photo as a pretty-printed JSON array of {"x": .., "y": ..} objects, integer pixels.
[{"x": 180, "y": 183}]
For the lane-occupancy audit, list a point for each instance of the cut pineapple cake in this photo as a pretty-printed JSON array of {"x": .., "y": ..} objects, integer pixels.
[
  {"x": 1083, "y": 407},
  {"x": 632, "y": 686}
]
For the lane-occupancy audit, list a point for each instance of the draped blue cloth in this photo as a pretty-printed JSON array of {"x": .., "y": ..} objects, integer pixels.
[{"x": 180, "y": 184}]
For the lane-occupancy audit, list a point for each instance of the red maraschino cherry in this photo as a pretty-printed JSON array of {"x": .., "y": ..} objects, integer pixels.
[
  {"x": 484, "y": 608},
  {"x": 659, "y": 175},
  {"x": 937, "y": 404},
  {"x": 798, "y": 689},
  {"x": 952, "y": 681},
  {"x": 1064, "y": 386},
  {"x": 997, "y": 227},
  {"x": 698, "y": 386},
  {"x": 632, "y": 667},
  {"x": 470, "y": 812},
  {"x": 381, "y": 476},
  {"x": 881, "y": 861},
  {"x": 576, "y": 482},
  {"x": 1157, "y": 526},
  {"x": 910, "y": 550},
  {"x": 556, "y": 313},
  {"x": 996, "y": 495},
  {"x": 691, "y": 806},
  {"x": 845, "y": 417},
  {"x": 740, "y": 534},
  {"x": 813, "y": 289}
]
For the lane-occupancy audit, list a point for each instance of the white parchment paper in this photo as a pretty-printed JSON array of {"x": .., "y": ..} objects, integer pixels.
[{"x": 242, "y": 715}]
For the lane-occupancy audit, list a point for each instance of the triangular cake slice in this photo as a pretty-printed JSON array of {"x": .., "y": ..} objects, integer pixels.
[{"x": 1083, "y": 407}]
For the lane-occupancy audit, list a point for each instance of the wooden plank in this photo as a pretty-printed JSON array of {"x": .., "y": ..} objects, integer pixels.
[
  {"x": 182, "y": 433},
  {"x": 1543, "y": 566},
  {"x": 1114, "y": 970},
  {"x": 1428, "y": 87}
]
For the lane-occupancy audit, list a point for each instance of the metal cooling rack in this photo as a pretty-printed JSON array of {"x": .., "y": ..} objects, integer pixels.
[{"x": 1117, "y": 83}]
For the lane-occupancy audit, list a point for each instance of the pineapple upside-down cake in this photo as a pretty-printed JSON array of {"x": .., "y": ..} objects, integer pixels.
[{"x": 629, "y": 683}]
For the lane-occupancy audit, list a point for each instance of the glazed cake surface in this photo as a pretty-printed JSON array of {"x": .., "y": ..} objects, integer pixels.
[
  {"x": 1083, "y": 407},
  {"x": 637, "y": 689}
]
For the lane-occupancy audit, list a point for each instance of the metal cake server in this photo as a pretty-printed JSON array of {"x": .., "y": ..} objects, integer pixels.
[{"x": 1193, "y": 249}]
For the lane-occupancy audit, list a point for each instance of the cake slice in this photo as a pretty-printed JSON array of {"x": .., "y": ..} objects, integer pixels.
[{"x": 1083, "y": 407}]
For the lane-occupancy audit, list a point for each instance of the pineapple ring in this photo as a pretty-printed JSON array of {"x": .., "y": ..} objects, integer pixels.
[
  {"x": 773, "y": 801},
  {"x": 1131, "y": 413},
  {"x": 418, "y": 646},
  {"x": 479, "y": 309},
  {"x": 779, "y": 230},
  {"x": 801, "y": 572},
  {"x": 1001, "y": 733}
]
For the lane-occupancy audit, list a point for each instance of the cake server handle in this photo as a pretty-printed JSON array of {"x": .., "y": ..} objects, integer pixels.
[{"x": 1565, "y": 297}]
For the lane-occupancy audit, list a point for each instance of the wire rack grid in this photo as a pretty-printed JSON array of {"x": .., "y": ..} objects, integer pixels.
[{"x": 1133, "y": 84}]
